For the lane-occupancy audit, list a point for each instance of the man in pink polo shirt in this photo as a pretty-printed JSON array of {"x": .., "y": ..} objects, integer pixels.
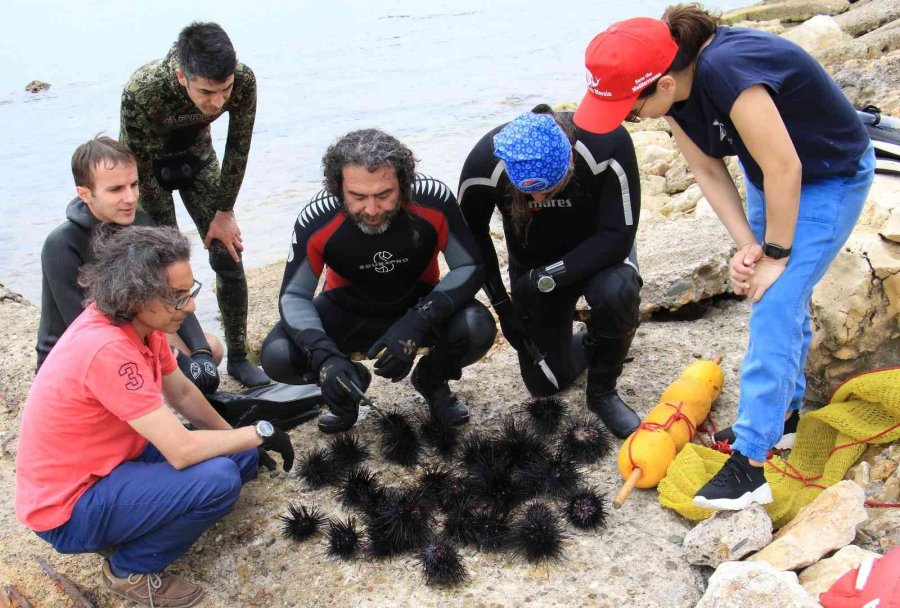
[{"x": 102, "y": 463}]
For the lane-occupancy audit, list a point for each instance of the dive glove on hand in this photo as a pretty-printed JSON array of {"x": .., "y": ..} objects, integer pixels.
[
  {"x": 200, "y": 369},
  {"x": 512, "y": 329},
  {"x": 335, "y": 375},
  {"x": 279, "y": 442},
  {"x": 396, "y": 349}
]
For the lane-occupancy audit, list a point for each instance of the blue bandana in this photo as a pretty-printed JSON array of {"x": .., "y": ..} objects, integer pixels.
[{"x": 535, "y": 150}]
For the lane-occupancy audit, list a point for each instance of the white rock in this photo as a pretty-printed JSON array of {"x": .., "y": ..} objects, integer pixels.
[
  {"x": 890, "y": 229},
  {"x": 754, "y": 585},
  {"x": 819, "y": 577},
  {"x": 827, "y": 523},
  {"x": 652, "y": 138},
  {"x": 728, "y": 536},
  {"x": 652, "y": 185},
  {"x": 819, "y": 36},
  {"x": 653, "y": 154}
]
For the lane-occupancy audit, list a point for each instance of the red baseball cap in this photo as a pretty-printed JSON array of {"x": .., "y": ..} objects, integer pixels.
[{"x": 621, "y": 61}]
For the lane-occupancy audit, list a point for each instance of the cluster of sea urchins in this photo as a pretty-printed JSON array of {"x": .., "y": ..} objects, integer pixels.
[{"x": 498, "y": 491}]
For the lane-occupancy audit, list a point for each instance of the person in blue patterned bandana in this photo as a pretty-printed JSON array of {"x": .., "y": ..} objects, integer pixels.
[{"x": 570, "y": 203}]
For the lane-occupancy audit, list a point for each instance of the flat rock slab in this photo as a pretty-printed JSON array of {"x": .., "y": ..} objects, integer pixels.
[
  {"x": 827, "y": 523},
  {"x": 790, "y": 10},
  {"x": 682, "y": 260},
  {"x": 819, "y": 577},
  {"x": 754, "y": 585},
  {"x": 728, "y": 536}
]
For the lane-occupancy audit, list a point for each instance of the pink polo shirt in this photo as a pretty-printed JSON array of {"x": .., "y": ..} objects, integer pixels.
[{"x": 75, "y": 425}]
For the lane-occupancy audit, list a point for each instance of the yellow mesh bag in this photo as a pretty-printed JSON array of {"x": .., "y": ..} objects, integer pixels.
[{"x": 864, "y": 410}]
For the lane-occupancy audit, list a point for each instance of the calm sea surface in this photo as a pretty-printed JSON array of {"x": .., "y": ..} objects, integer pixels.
[{"x": 436, "y": 74}]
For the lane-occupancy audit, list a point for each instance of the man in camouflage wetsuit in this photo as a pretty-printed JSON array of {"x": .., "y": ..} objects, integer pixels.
[{"x": 167, "y": 107}]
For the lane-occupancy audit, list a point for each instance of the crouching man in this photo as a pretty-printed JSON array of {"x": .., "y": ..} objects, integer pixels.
[
  {"x": 103, "y": 464},
  {"x": 378, "y": 227}
]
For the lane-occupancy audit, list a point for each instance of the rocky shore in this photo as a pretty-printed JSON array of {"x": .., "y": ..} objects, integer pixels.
[{"x": 646, "y": 556}]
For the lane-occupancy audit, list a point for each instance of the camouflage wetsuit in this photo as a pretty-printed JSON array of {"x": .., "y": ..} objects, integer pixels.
[{"x": 167, "y": 131}]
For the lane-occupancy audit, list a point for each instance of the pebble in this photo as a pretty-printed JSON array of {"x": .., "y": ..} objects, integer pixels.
[{"x": 883, "y": 469}]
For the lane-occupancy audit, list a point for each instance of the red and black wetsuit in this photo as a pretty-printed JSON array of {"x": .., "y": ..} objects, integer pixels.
[
  {"x": 372, "y": 280},
  {"x": 589, "y": 227}
]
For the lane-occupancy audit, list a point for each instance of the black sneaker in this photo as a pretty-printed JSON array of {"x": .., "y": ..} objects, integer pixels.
[
  {"x": 736, "y": 486},
  {"x": 788, "y": 436}
]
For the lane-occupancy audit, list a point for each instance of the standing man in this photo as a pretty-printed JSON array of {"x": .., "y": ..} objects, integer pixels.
[
  {"x": 167, "y": 107},
  {"x": 570, "y": 202},
  {"x": 378, "y": 228},
  {"x": 102, "y": 462},
  {"x": 106, "y": 184}
]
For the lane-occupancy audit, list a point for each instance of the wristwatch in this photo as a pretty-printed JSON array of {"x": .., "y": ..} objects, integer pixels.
[
  {"x": 546, "y": 283},
  {"x": 776, "y": 252},
  {"x": 264, "y": 430}
]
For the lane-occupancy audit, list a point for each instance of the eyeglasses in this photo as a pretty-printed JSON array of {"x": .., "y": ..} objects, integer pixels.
[
  {"x": 181, "y": 302},
  {"x": 633, "y": 115}
]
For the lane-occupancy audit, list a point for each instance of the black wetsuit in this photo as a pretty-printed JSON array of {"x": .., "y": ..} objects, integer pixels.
[
  {"x": 589, "y": 226},
  {"x": 65, "y": 250},
  {"x": 373, "y": 280}
]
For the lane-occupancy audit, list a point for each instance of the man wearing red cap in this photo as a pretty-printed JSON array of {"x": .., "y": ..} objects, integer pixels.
[
  {"x": 570, "y": 203},
  {"x": 808, "y": 164}
]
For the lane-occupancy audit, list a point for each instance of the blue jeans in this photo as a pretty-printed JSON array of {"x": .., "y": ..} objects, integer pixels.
[
  {"x": 772, "y": 375},
  {"x": 148, "y": 513}
]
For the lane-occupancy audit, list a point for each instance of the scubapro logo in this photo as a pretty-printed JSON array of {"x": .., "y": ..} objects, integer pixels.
[{"x": 383, "y": 261}]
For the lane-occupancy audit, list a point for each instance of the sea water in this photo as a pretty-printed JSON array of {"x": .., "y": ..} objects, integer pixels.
[{"x": 436, "y": 74}]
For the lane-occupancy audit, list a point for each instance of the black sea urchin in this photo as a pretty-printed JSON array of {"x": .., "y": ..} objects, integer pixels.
[
  {"x": 343, "y": 539},
  {"x": 347, "y": 450},
  {"x": 498, "y": 485},
  {"x": 546, "y": 414},
  {"x": 434, "y": 484},
  {"x": 401, "y": 522},
  {"x": 317, "y": 469},
  {"x": 515, "y": 443},
  {"x": 558, "y": 476},
  {"x": 537, "y": 535},
  {"x": 301, "y": 523},
  {"x": 442, "y": 564},
  {"x": 360, "y": 489},
  {"x": 439, "y": 435},
  {"x": 399, "y": 442},
  {"x": 586, "y": 509},
  {"x": 586, "y": 440}
]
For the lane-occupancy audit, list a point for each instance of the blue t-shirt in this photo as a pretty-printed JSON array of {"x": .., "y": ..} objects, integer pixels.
[{"x": 826, "y": 132}]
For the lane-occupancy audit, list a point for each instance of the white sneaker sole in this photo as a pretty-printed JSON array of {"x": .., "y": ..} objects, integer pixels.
[
  {"x": 786, "y": 442},
  {"x": 761, "y": 496}
]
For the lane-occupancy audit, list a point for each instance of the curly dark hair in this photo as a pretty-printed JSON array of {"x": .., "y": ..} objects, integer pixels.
[
  {"x": 372, "y": 149},
  {"x": 129, "y": 267}
]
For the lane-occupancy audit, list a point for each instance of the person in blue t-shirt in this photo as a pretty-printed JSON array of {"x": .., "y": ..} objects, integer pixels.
[{"x": 808, "y": 165}]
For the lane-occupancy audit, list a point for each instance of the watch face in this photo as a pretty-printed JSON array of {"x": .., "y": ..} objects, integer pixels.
[
  {"x": 264, "y": 428},
  {"x": 546, "y": 284}
]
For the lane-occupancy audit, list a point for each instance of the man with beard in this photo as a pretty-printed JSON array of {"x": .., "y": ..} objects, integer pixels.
[
  {"x": 376, "y": 229},
  {"x": 167, "y": 108}
]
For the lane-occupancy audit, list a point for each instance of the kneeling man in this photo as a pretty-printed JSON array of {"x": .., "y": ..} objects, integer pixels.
[
  {"x": 102, "y": 463},
  {"x": 378, "y": 228}
]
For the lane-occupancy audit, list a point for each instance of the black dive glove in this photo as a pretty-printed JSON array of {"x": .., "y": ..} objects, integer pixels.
[
  {"x": 335, "y": 373},
  {"x": 279, "y": 442},
  {"x": 396, "y": 349},
  {"x": 512, "y": 329},
  {"x": 200, "y": 369}
]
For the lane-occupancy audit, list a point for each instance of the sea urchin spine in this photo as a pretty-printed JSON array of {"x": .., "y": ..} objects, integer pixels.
[
  {"x": 546, "y": 414},
  {"x": 399, "y": 442},
  {"x": 343, "y": 539},
  {"x": 537, "y": 537},
  {"x": 301, "y": 523},
  {"x": 442, "y": 564},
  {"x": 586, "y": 510}
]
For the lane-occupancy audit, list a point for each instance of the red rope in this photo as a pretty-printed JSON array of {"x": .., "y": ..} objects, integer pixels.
[
  {"x": 644, "y": 426},
  {"x": 866, "y": 440}
]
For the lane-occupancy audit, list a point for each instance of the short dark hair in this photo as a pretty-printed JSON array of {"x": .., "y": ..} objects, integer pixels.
[
  {"x": 90, "y": 154},
  {"x": 372, "y": 149},
  {"x": 204, "y": 50},
  {"x": 129, "y": 267}
]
